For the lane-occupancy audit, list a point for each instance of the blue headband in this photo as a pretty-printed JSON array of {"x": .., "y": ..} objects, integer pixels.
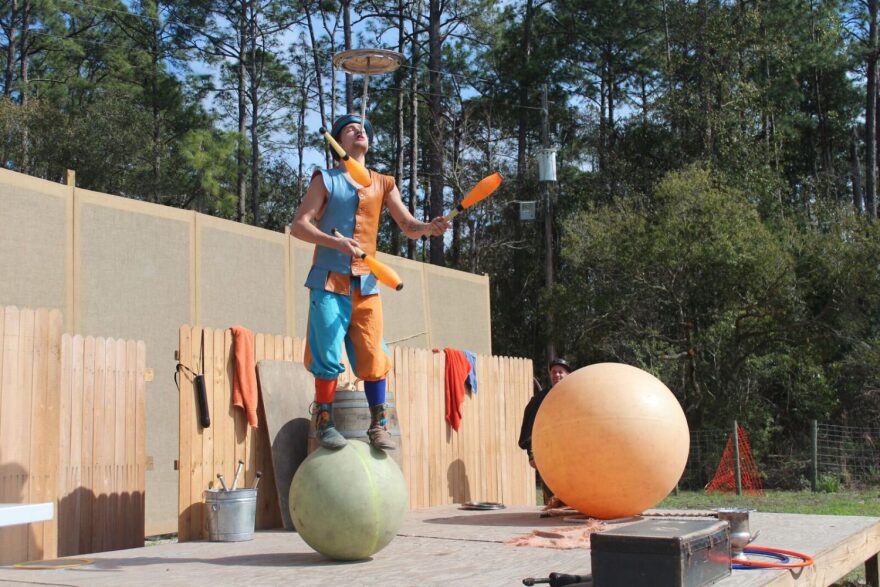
[{"x": 347, "y": 119}]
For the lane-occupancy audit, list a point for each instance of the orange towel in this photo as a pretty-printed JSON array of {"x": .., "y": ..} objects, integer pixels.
[
  {"x": 457, "y": 369},
  {"x": 244, "y": 382}
]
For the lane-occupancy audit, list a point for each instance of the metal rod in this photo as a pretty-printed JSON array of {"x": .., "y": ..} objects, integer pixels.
[
  {"x": 814, "y": 437},
  {"x": 257, "y": 480},
  {"x": 364, "y": 96},
  {"x": 222, "y": 481},
  {"x": 737, "y": 467},
  {"x": 237, "y": 473}
]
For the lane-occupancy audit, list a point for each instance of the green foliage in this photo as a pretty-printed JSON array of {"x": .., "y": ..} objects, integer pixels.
[
  {"x": 828, "y": 484},
  {"x": 209, "y": 155}
]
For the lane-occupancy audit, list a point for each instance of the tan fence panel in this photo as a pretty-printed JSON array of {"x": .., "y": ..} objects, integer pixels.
[
  {"x": 480, "y": 462},
  {"x": 29, "y": 386},
  {"x": 102, "y": 422}
]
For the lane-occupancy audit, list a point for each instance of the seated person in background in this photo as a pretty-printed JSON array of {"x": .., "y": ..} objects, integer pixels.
[{"x": 558, "y": 368}]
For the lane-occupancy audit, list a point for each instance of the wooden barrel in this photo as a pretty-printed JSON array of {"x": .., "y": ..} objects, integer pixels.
[{"x": 351, "y": 413}]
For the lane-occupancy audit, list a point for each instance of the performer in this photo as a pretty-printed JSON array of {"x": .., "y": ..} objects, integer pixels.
[{"x": 344, "y": 304}]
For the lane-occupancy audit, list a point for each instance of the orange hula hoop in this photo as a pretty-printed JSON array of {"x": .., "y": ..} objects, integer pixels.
[{"x": 806, "y": 560}]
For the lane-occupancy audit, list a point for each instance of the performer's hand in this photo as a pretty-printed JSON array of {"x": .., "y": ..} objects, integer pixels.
[
  {"x": 554, "y": 503},
  {"x": 347, "y": 246},
  {"x": 437, "y": 226}
]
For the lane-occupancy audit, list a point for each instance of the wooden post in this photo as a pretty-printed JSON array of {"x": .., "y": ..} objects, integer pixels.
[
  {"x": 71, "y": 178},
  {"x": 736, "y": 464},
  {"x": 814, "y": 437},
  {"x": 548, "y": 225},
  {"x": 872, "y": 572}
]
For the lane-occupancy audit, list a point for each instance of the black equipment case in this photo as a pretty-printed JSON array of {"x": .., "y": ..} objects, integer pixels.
[{"x": 662, "y": 553}]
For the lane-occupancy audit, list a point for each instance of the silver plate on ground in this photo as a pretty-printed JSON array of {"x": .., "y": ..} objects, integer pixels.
[{"x": 482, "y": 505}]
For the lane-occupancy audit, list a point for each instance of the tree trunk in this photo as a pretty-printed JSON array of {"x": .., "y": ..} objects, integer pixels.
[
  {"x": 870, "y": 117},
  {"x": 157, "y": 124},
  {"x": 610, "y": 88},
  {"x": 346, "y": 33},
  {"x": 301, "y": 137},
  {"x": 856, "y": 173},
  {"x": 414, "y": 121},
  {"x": 438, "y": 140},
  {"x": 255, "y": 115},
  {"x": 705, "y": 82},
  {"x": 456, "y": 194},
  {"x": 524, "y": 112},
  {"x": 603, "y": 124},
  {"x": 398, "y": 121},
  {"x": 549, "y": 261},
  {"x": 23, "y": 81},
  {"x": 318, "y": 82},
  {"x": 241, "y": 214},
  {"x": 8, "y": 75}
]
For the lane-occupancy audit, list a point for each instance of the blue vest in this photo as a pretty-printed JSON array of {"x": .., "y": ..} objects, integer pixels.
[{"x": 339, "y": 213}]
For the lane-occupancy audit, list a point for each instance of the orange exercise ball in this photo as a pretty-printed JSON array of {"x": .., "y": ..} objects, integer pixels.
[{"x": 610, "y": 440}]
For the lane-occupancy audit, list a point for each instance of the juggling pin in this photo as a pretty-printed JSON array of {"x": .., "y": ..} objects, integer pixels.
[
  {"x": 383, "y": 272},
  {"x": 353, "y": 167}
]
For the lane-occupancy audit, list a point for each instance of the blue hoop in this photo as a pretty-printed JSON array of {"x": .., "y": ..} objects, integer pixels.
[{"x": 760, "y": 552}]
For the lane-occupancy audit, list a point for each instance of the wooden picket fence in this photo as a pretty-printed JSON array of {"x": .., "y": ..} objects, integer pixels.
[
  {"x": 480, "y": 462},
  {"x": 72, "y": 433}
]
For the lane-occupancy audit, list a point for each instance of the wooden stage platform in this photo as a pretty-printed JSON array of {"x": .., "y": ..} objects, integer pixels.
[{"x": 445, "y": 546}]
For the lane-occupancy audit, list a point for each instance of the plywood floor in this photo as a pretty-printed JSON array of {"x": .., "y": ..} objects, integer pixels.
[{"x": 441, "y": 546}]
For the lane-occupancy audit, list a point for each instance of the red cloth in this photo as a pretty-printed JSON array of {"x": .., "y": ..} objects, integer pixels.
[
  {"x": 244, "y": 381},
  {"x": 457, "y": 369}
]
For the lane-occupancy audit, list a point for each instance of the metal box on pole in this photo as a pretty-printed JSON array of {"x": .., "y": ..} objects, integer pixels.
[{"x": 547, "y": 164}]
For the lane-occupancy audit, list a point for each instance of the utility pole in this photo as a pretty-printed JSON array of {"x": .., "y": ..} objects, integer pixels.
[{"x": 548, "y": 217}]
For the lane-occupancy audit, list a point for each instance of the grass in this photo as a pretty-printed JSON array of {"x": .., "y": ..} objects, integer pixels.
[{"x": 841, "y": 503}]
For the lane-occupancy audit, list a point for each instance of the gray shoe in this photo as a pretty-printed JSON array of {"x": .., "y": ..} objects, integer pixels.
[
  {"x": 325, "y": 429},
  {"x": 378, "y": 430}
]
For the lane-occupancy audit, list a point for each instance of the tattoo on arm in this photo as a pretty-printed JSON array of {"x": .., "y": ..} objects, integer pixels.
[{"x": 411, "y": 225}]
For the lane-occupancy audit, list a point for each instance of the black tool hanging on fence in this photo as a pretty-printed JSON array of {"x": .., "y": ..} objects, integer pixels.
[{"x": 198, "y": 386}]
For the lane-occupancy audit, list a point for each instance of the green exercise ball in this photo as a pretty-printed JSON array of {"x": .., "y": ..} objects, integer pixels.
[{"x": 348, "y": 503}]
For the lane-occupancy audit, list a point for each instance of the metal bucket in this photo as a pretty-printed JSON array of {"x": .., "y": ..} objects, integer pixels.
[
  {"x": 351, "y": 413},
  {"x": 740, "y": 535},
  {"x": 232, "y": 515}
]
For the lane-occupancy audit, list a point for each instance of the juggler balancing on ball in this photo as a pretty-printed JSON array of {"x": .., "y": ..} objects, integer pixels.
[{"x": 347, "y": 500}]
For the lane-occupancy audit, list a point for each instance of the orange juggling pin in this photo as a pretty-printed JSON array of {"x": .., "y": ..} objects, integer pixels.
[
  {"x": 353, "y": 167},
  {"x": 481, "y": 191},
  {"x": 383, "y": 272}
]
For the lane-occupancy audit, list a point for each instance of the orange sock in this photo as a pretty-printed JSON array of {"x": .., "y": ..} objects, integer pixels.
[{"x": 325, "y": 390}]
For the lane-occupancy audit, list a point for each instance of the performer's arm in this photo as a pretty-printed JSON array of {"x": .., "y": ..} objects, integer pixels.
[{"x": 411, "y": 227}]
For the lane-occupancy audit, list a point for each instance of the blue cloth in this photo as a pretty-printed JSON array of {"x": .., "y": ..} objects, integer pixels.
[
  {"x": 329, "y": 320},
  {"x": 471, "y": 381},
  {"x": 375, "y": 391},
  {"x": 340, "y": 212}
]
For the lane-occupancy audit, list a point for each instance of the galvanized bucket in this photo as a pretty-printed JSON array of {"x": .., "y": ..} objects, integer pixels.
[{"x": 231, "y": 514}]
